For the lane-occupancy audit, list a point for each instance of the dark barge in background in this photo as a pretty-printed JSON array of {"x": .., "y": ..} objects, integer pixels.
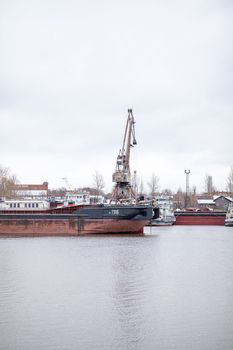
[{"x": 198, "y": 217}]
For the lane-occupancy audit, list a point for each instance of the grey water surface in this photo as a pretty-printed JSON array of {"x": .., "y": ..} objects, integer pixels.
[{"x": 169, "y": 289}]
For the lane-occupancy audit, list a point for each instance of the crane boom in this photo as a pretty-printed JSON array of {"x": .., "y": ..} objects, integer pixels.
[{"x": 122, "y": 177}]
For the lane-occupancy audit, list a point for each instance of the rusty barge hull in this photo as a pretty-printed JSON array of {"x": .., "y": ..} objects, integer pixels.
[
  {"x": 84, "y": 221},
  {"x": 67, "y": 227},
  {"x": 213, "y": 218}
]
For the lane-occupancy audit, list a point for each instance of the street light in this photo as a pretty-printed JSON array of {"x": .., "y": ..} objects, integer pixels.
[{"x": 187, "y": 172}]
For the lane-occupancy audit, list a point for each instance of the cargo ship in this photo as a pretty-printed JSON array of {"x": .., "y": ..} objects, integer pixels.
[
  {"x": 74, "y": 221},
  {"x": 121, "y": 215},
  {"x": 198, "y": 217}
]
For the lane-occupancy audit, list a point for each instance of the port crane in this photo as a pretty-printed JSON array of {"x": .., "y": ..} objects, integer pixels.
[{"x": 123, "y": 190}]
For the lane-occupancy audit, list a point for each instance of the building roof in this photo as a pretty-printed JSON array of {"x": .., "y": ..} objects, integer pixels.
[
  {"x": 29, "y": 187},
  {"x": 225, "y": 197},
  {"x": 206, "y": 201}
]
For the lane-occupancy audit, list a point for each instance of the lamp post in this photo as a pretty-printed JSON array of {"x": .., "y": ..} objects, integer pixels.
[{"x": 187, "y": 172}]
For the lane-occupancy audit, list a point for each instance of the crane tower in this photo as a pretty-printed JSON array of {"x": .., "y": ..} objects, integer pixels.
[{"x": 123, "y": 189}]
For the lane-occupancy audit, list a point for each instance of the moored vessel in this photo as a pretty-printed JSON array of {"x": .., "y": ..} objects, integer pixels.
[
  {"x": 162, "y": 222},
  {"x": 164, "y": 216},
  {"x": 81, "y": 221},
  {"x": 229, "y": 216},
  {"x": 199, "y": 217}
]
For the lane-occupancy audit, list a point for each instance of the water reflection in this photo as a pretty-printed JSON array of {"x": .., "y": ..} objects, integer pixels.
[
  {"x": 130, "y": 291},
  {"x": 169, "y": 289}
]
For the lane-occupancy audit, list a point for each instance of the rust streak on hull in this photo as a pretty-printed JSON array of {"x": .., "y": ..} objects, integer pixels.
[{"x": 69, "y": 227}]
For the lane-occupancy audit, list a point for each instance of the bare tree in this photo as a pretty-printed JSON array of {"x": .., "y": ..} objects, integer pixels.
[
  {"x": 7, "y": 183},
  {"x": 98, "y": 182},
  {"x": 230, "y": 181},
  {"x": 166, "y": 192},
  {"x": 153, "y": 184},
  {"x": 61, "y": 191},
  {"x": 194, "y": 190},
  {"x": 193, "y": 197},
  {"x": 179, "y": 199}
]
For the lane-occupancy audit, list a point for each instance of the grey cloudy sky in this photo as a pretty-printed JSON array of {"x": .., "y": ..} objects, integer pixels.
[{"x": 69, "y": 70}]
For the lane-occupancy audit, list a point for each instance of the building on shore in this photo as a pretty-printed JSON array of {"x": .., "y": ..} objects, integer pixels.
[
  {"x": 217, "y": 202},
  {"x": 32, "y": 191}
]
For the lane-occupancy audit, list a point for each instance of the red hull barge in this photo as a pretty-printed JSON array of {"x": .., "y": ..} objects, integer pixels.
[
  {"x": 90, "y": 220},
  {"x": 200, "y": 218}
]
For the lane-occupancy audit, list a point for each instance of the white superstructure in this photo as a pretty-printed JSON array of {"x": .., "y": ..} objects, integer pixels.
[
  {"x": 84, "y": 198},
  {"x": 23, "y": 204},
  {"x": 166, "y": 211}
]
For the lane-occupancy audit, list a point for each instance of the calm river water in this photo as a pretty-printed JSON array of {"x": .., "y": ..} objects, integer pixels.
[{"x": 169, "y": 289}]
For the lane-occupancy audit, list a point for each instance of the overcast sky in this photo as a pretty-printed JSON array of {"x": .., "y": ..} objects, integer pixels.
[{"x": 69, "y": 70}]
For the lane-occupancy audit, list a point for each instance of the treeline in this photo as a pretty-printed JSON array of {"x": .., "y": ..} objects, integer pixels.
[
  {"x": 152, "y": 188},
  {"x": 7, "y": 183}
]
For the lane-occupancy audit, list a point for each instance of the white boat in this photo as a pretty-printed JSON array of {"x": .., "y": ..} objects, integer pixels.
[
  {"x": 229, "y": 216},
  {"x": 162, "y": 222},
  {"x": 82, "y": 198},
  {"x": 166, "y": 212}
]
